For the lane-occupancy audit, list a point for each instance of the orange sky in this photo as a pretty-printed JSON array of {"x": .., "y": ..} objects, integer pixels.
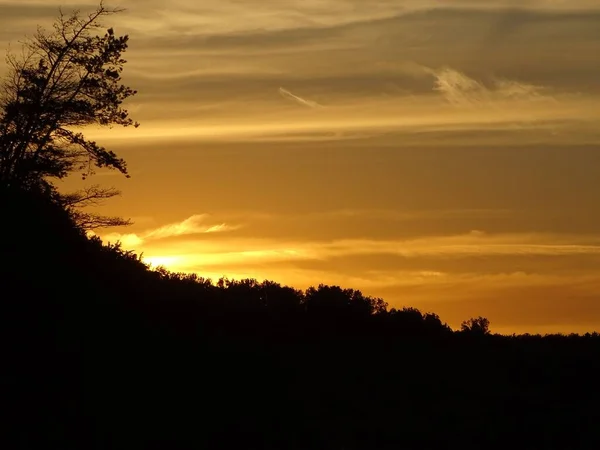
[{"x": 443, "y": 155}]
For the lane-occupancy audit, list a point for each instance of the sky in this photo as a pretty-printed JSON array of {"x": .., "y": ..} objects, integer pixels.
[{"x": 439, "y": 154}]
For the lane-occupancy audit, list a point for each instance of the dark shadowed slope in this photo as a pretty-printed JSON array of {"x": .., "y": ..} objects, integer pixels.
[{"x": 100, "y": 352}]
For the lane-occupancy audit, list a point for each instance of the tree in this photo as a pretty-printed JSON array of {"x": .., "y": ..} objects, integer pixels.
[
  {"x": 65, "y": 79},
  {"x": 479, "y": 325},
  {"x": 94, "y": 195},
  {"x": 333, "y": 301}
]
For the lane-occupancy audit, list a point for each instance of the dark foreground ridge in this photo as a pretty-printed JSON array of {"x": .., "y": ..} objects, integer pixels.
[{"x": 99, "y": 352}]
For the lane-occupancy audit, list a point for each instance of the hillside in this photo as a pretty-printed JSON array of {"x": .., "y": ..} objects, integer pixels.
[{"x": 103, "y": 352}]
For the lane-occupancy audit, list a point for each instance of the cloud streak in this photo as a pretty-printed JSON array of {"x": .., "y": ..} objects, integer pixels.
[
  {"x": 459, "y": 89},
  {"x": 236, "y": 251},
  {"x": 194, "y": 225},
  {"x": 288, "y": 95},
  {"x": 399, "y": 67}
]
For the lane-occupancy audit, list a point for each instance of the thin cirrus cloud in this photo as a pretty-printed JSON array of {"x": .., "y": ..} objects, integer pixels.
[
  {"x": 302, "y": 101},
  {"x": 459, "y": 89},
  {"x": 196, "y": 224},
  {"x": 456, "y": 102},
  {"x": 251, "y": 251},
  {"x": 386, "y": 67},
  {"x": 215, "y": 16}
]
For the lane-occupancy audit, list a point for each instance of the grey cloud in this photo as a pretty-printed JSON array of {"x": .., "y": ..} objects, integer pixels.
[
  {"x": 41, "y": 12},
  {"x": 20, "y": 19},
  {"x": 487, "y": 25},
  {"x": 549, "y": 49},
  {"x": 261, "y": 42}
]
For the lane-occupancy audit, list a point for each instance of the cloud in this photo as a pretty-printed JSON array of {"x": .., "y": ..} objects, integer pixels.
[
  {"x": 218, "y": 17},
  {"x": 216, "y": 73},
  {"x": 196, "y": 224},
  {"x": 288, "y": 95},
  {"x": 383, "y": 214},
  {"x": 193, "y": 254},
  {"x": 474, "y": 243},
  {"x": 498, "y": 104},
  {"x": 459, "y": 89}
]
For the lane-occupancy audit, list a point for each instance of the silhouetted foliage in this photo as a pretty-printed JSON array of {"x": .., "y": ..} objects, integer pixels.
[
  {"x": 105, "y": 352},
  {"x": 67, "y": 78},
  {"x": 333, "y": 302},
  {"x": 477, "y": 326},
  {"x": 75, "y": 202}
]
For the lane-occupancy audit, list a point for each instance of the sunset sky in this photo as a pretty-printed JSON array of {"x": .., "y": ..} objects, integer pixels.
[{"x": 440, "y": 154}]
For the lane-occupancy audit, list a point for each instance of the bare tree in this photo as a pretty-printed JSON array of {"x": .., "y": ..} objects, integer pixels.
[
  {"x": 64, "y": 80},
  {"x": 76, "y": 202}
]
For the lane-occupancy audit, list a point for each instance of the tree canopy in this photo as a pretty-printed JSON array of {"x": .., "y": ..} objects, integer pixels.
[
  {"x": 476, "y": 325},
  {"x": 66, "y": 79}
]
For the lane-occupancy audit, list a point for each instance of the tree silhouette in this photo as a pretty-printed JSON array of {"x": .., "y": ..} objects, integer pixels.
[
  {"x": 90, "y": 196},
  {"x": 478, "y": 326},
  {"x": 333, "y": 301},
  {"x": 66, "y": 79}
]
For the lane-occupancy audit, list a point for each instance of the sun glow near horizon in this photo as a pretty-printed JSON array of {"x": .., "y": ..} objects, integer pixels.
[{"x": 435, "y": 272}]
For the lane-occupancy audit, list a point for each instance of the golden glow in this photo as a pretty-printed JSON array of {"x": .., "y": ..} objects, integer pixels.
[{"x": 442, "y": 155}]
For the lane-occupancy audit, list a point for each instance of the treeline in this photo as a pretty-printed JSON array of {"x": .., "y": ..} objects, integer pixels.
[{"x": 45, "y": 251}]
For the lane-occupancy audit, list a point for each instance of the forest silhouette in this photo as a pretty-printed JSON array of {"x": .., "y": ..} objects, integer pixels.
[{"x": 100, "y": 351}]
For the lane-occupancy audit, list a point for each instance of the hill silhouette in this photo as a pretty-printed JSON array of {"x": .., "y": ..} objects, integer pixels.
[
  {"x": 98, "y": 351},
  {"x": 102, "y": 352}
]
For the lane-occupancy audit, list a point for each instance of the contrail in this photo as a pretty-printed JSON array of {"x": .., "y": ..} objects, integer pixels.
[{"x": 287, "y": 94}]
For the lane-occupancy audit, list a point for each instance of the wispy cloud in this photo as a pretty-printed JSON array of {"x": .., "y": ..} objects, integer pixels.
[
  {"x": 196, "y": 224},
  {"x": 194, "y": 254},
  {"x": 192, "y": 225},
  {"x": 288, "y": 95},
  {"x": 459, "y": 89}
]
